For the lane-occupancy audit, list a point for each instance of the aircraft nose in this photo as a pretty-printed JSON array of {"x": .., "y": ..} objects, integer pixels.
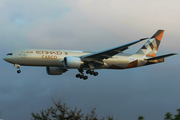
[
  {"x": 5, "y": 58},
  {"x": 9, "y": 57}
]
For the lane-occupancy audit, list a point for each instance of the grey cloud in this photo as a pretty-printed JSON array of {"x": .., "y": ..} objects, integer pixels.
[
  {"x": 64, "y": 34},
  {"x": 133, "y": 19},
  {"x": 89, "y": 25},
  {"x": 112, "y": 91}
]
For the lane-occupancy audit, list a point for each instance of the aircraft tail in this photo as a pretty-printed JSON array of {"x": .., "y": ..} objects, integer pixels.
[{"x": 150, "y": 48}]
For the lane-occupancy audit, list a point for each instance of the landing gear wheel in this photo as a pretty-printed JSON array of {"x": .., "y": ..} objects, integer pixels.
[
  {"x": 85, "y": 77},
  {"x": 88, "y": 71},
  {"x": 92, "y": 72},
  {"x": 19, "y": 71},
  {"x": 78, "y": 75},
  {"x": 95, "y": 73},
  {"x": 81, "y": 76}
]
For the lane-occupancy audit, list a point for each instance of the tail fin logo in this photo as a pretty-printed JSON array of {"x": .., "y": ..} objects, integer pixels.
[
  {"x": 150, "y": 48},
  {"x": 158, "y": 35}
]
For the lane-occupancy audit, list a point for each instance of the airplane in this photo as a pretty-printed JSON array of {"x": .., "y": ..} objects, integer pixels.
[{"x": 58, "y": 62}]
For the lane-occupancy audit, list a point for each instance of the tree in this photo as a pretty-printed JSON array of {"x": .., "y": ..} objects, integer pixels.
[
  {"x": 178, "y": 110},
  {"x": 141, "y": 118},
  {"x": 168, "y": 116},
  {"x": 62, "y": 112},
  {"x": 177, "y": 116}
]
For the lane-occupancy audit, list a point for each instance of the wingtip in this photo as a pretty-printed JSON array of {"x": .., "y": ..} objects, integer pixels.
[{"x": 174, "y": 53}]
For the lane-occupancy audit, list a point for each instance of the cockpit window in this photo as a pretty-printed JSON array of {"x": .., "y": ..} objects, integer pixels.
[{"x": 9, "y": 54}]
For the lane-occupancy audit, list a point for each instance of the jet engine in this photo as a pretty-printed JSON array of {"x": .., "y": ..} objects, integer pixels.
[
  {"x": 72, "y": 62},
  {"x": 55, "y": 70}
]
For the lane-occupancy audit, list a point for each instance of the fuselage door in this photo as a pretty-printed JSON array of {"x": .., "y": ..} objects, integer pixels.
[{"x": 23, "y": 54}]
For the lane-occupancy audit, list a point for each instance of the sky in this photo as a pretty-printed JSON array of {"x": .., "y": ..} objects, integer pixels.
[{"x": 90, "y": 25}]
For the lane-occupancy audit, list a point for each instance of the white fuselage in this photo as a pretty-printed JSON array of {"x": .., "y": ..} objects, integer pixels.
[{"x": 42, "y": 57}]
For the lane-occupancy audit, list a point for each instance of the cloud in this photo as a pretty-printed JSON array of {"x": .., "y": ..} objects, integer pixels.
[
  {"x": 94, "y": 26},
  {"x": 1, "y": 4},
  {"x": 127, "y": 20},
  {"x": 70, "y": 33},
  {"x": 134, "y": 15}
]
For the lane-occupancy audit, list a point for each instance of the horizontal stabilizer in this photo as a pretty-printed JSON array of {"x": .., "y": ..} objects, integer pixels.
[{"x": 162, "y": 56}]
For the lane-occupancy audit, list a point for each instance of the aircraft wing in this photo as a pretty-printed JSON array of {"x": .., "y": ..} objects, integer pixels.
[{"x": 99, "y": 56}]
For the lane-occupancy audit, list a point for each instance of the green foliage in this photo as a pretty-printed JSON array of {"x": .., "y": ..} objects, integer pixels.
[
  {"x": 62, "y": 112},
  {"x": 141, "y": 118},
  {"x": 177, "y": 116},
  {"x": 168, "y": 116}
]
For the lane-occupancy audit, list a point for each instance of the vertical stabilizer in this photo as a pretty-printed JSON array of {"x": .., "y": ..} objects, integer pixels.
[{"x": 150, "y": 48}]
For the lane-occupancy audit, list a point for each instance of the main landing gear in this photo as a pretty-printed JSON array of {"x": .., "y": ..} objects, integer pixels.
[
  {"x": 18, "y": 68},
  {"x": 82, "y": 76},
  {"x": 91, "y": 72}
]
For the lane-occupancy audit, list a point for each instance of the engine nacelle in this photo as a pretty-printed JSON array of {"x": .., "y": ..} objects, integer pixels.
[
  {"x": 72, "y": 62},
  {"x": 55, "y": 70}
]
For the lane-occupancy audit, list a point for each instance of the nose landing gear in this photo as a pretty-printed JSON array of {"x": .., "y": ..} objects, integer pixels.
[
  {"x": 18, "y": 71},
  {"x": 18, "y": 68}
]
